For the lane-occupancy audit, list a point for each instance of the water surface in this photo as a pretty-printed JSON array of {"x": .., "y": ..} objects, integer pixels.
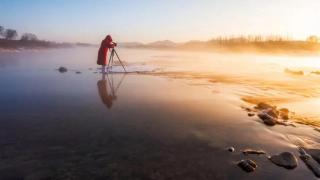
[{"x": 173, "y": 120}]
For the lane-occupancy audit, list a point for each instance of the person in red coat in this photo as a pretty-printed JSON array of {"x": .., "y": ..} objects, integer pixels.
[{"x": 103, "y": 51}]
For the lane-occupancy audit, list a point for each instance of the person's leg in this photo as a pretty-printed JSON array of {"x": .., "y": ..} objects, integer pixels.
[{"x": 103, "y": 68}]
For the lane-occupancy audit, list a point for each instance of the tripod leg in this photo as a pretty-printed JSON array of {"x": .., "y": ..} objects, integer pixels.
[
  {"x": 112, "y": 60},
  {"x": 120, "y": 61},
  {"x": 109, "y": 61}
]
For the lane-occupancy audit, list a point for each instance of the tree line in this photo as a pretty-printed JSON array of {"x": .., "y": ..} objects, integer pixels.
[
  {"x": 12, "y": 34},
  {"x": 259, "y": 38}
]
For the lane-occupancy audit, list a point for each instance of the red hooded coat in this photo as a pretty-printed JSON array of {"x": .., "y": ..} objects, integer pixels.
[{"x": 103, "y": 50}]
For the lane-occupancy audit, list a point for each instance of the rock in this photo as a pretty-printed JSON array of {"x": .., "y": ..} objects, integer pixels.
[
  {"x": 248, "y": 109},
  {"x": 285, "y": 159},
  {"x": 267, "y": 119},
  {"x": 252, "y": 151},
  {"x": 284, "y": 113},
  {"x": 262, "y": 106},
  {"x": 247, "y": 165},
  {"x": 251, "y": 114},
  {"x": 315, "y": 154},
  {"x": 231, "y": 149},
  {"x": 271, "y": 112},
  {"x": 317, "y": 129},
  {"x": 78, "y": 72},
  {"x": 311, "y": 163},
  {"x": 62, "y": 69}
]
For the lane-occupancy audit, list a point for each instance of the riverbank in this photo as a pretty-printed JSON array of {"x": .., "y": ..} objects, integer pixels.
[{"x": 21, "y": 45}]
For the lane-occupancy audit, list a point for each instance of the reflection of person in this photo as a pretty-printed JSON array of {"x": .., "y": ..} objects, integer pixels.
[
  {"x": 103, "y": 92},
  {"x": 103, "y": 51}
]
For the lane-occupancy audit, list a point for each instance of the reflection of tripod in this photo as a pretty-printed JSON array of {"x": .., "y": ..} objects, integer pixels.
[
  {"x": 111, "y": 59},
  {"x": 113, "y": 88},
  {"x": 107, "y": 90}
]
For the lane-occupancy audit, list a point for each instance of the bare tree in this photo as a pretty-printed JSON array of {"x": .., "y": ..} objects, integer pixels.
[
  {"x": 29, "y": 37},
  {"x": 1, "y": 30},
  {"x": 11, "y": 34},
  {"x": 313, "y": 39}
]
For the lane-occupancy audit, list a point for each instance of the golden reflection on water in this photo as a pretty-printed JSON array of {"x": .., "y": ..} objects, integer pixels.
[{"x": 273, "y": 87}]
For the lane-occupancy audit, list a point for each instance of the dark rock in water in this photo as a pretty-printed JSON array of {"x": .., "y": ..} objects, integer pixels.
[
  {"x": 284, "y": 113},
  {"x": 247, "y": 165},
  {"x": 252, "y": 151},
  {"x": 285, "y": 159},
  {"x": 311, "y": 163},
  {"x": 315, "y": 154},
  {"x": 271, "y": 116},
  {"x": 248, "y": 109},
  {"x": 262, "y": 106},
  {"x": 251, "y": 114},
  {"x": 231, "y": 149},
  {"x": 272, "y": 112},
  {"x": 78, "y": 72},
  {"x": 62, "y": 69},
  {"x": 267, "y": 119},
  {"x": 95, "y": 72}
]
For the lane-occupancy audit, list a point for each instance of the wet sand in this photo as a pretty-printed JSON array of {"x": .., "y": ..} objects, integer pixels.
[{"x": 157, "y": 125}]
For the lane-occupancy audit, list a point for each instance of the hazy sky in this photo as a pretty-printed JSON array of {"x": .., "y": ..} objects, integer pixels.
[{"x": 151, "y": 20}]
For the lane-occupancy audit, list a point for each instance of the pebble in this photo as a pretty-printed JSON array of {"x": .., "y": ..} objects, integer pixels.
[
  {"x": 317, "y": 129},
  {"x": 311, "y": 163},
  {"x": 267, "y": 119},
  {"x": 271, "y": 112},
  {"x": 284, "y": 113},
  {"x": 231, "y": 149},
  {"x": 315, "y": 154},
  {"x": 247, "y": 165},
  {"x": 78, "y": 72},
  {"x": 285, "y": 159},
  {"x": 62, "y": 69},
  {"x": 252, "y": 151},
  {"x": 262, "y": 106}
]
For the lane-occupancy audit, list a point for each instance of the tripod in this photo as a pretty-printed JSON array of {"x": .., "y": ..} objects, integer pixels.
[{"x": 111, "y": 60}]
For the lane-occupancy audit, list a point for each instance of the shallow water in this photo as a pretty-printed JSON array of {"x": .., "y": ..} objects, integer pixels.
[{"x": 174, "y": 121}]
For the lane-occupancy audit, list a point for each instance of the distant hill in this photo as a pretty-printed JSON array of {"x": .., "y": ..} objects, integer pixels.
[
  {"x": 130, "y": 44},
  {"x": 162, "y": 44},
  {"x": 156, "y": 44}
]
